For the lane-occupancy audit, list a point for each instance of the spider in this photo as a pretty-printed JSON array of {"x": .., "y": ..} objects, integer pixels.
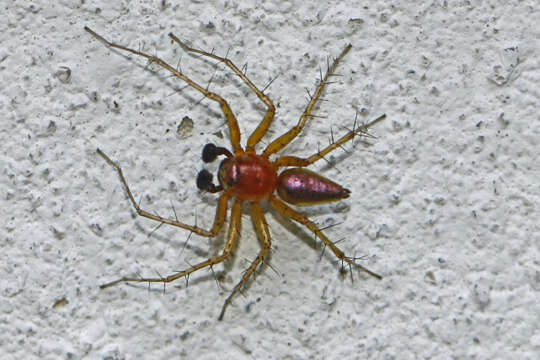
[{"x": 245, "y": 176}]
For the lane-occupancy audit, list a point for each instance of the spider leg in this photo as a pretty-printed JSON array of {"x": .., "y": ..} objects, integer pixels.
[
  {"x": 261, "y": 227},
  {"x": 286, "y": 138},
  {"x": 225, "y": 108},
  {"x": 219, "y": 220},
  {"x": 289, "y": 212},
  {"x": 301, "y": 162},
  {"x": 234, "y": 230},
  {"x": 261, "y": 129}
]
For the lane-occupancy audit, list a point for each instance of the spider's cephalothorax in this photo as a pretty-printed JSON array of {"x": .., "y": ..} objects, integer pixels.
[
  {"x": 246, "y": 176},
  {"x": 249, "y": 177}
]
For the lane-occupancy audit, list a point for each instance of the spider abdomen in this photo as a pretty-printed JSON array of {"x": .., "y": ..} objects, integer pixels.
[{"x": 299, "y": 186}]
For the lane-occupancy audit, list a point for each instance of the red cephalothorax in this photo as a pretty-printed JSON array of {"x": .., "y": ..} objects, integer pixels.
[{"x": 250, "y": 177}]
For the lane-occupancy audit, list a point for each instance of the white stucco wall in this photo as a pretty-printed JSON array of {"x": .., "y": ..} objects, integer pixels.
[{"x": 444, "y": 201}]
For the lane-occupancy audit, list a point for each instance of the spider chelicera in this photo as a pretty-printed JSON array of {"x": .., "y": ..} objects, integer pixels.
[{"x": 246, "y": 176}]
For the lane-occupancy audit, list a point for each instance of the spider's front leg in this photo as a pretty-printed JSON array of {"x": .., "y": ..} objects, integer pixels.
[
  {"x": 225, "y": 108},
  {"x": 262, "y": 128},
  {"x": 234, "y": 230},
  {"x": 219, "y": 219}
]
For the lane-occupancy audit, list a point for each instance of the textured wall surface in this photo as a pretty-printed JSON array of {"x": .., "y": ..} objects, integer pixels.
[{"x": 444, "y": 203}]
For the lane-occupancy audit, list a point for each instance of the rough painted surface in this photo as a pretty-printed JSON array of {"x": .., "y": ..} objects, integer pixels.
[{"x": 444, "y": 202}]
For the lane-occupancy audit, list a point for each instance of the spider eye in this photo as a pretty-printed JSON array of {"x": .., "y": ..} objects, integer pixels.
[
  {"x": 204, "y": 180},
  {"x": 209, "y": 153}
]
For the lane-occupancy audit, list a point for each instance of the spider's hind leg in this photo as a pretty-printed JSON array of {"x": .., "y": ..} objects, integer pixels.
[{"x": 289, "y": 212}]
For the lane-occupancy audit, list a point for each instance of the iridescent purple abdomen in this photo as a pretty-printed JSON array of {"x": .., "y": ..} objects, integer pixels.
[{"x": 299, "y": 186}]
